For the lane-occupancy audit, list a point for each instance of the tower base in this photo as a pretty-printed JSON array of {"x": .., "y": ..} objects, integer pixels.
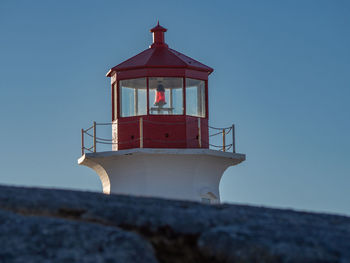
[{"x": 186, "y": 174}]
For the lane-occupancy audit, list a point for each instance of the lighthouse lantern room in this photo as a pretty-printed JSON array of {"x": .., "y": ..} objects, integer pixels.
[
  {"x": 165, "y": 91},
  {"x": 160, "y": 131}
]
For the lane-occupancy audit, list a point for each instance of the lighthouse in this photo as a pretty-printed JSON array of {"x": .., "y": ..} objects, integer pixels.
[{"x": 161, "y": 143}]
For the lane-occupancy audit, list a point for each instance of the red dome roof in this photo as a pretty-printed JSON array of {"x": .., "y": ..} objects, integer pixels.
[{"x": 159, "y": 55}]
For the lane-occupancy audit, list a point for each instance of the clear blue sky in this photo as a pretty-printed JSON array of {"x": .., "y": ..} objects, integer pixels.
[{"x": 282, "y": 75}]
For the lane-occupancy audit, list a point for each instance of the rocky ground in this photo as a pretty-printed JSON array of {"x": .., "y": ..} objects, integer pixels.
[{"x": 44, "y": 225}]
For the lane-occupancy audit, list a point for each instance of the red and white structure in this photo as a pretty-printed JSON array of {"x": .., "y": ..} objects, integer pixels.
[{"x": 160, "y": 131}]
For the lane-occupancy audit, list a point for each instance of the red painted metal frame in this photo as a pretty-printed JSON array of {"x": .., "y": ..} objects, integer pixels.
[
  {"x": 162, "y": 72},
  {"x": 113, "y": 100},
  {"x": 206, "y": 100},
  {"x": 147, "y": 83},
  {"x": 184, "y": 95},
  {"x": 162, "y": 131},
  {"x": 118, "y": 100}
]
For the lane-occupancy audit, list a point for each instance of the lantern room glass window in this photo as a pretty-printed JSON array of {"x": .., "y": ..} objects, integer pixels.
[
  {"x": 133, "y": 97},
  {"x": 166, "y": 96},
  {"x": 195, "y": 97}
]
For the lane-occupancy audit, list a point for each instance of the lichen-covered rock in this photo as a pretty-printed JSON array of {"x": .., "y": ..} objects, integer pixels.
[
  {"x": 273, "y": 243},
  {"x": 178, "y": 231},
  {"x": 42, "y": 239}
]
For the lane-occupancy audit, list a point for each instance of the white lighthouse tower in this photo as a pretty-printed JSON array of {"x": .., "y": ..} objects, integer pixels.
[{"x": 161, "y": 143}]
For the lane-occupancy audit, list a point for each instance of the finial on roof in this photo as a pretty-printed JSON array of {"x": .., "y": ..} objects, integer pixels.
[
  {"x": 158, "y": 36},
  {"x": 158, "y": 27}
]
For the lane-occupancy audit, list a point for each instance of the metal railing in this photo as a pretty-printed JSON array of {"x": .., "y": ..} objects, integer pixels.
[{"x": 226, "y": 134}]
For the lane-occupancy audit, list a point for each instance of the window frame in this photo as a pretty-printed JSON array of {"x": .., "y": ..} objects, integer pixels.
[
  {"x": 204, "y": 101},
  {"x": 181, "y": 79},
  {"x": 120, "y": 102},
  {"x": 117, "y": 103}
]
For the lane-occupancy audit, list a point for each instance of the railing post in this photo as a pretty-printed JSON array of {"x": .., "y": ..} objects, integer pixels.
[
  {"x": 233, "y": 139},
  {"x": 94, "y": 136},
  {"x": 223, "y": 140},
  {"x": 199, "y": 133},
  {"x": 141, "y": 132},
  {"x": 82, "y": 142}
]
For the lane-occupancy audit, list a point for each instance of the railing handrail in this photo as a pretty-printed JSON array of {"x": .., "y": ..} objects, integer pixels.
[{"x": 98, "y": 140}]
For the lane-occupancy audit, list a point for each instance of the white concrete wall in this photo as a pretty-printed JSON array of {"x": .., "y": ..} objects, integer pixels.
[{"x": 187, "y": 174}]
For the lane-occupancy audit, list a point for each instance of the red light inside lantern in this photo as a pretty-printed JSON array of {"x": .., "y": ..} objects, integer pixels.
[{"x": 160, "y": 96}]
